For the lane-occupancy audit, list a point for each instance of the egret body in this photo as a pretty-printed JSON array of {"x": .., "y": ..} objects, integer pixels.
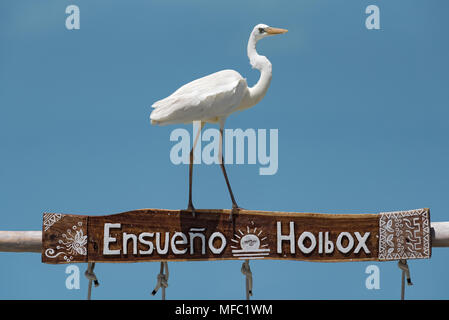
[{"x": 214, "y": 97}]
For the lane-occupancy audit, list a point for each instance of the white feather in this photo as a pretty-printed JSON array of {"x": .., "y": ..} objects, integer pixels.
[{"x": 205, "y": 99}]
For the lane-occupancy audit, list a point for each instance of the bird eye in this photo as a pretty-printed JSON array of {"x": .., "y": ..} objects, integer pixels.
[{"x": 261, "y": 30}]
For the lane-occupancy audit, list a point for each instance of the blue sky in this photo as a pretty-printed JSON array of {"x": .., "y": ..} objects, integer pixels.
[{"x": 362, "y": 119}]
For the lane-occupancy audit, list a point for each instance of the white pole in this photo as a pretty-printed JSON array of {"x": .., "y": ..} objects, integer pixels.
[
  {"x": 440, "y": 234},
  {"x": 31, "y": 241},
  {"x": 20, "y": 241}
]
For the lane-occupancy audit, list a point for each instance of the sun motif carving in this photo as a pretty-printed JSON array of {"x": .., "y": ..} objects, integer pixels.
[{"x": 249, "y": 245}]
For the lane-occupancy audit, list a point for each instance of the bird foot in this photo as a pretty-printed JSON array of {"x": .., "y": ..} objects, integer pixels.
[
  {"x": 235, "y": 209},
  {"x": 191, "y": 208}
]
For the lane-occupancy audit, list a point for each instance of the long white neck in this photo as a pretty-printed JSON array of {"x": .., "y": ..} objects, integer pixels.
[{"x": 261, "y": 63}]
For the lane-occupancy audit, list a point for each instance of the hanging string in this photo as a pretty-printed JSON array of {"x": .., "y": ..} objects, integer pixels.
[
  {"x": 246, "y": 270},
  {"x": 402, "y": 264},
  {"x": 162, "y": 280},
  {"x": 92, "y": 277}
]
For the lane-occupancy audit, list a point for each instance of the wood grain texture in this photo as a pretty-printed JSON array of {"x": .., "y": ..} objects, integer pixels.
[
  {"x": 176, "y": 221},
  {"x": 174, "y": 235}
]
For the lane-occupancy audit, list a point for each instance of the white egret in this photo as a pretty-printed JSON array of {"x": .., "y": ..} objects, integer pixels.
[{"x": 214, "y": 97}]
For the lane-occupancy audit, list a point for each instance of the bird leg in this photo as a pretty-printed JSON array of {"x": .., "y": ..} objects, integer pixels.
[
  {"x": 235, "y": 207},
  {"x": 190, "y": 206}
]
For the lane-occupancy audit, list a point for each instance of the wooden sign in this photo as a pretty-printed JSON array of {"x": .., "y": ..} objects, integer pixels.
[{"x": 175, "y": 235}]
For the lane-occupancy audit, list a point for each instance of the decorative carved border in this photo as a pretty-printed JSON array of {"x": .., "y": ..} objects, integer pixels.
[
  {"x": 50, "y": 219},
  {"x": 404, "y": 235},
  {"x": 64, "y": 238}
]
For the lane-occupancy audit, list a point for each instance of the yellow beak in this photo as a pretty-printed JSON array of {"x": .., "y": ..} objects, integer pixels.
[{"x": 271, "y": 30}]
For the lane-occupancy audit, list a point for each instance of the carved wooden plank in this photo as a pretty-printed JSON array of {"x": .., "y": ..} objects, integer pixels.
[{"x": 174, "y": 235}]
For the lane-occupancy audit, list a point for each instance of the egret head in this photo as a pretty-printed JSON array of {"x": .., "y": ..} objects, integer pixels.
[{"x": 262, "y": 30}]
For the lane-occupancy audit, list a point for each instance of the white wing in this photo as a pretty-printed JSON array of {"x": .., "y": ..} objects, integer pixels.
[{"x": 214, "y": 96}]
